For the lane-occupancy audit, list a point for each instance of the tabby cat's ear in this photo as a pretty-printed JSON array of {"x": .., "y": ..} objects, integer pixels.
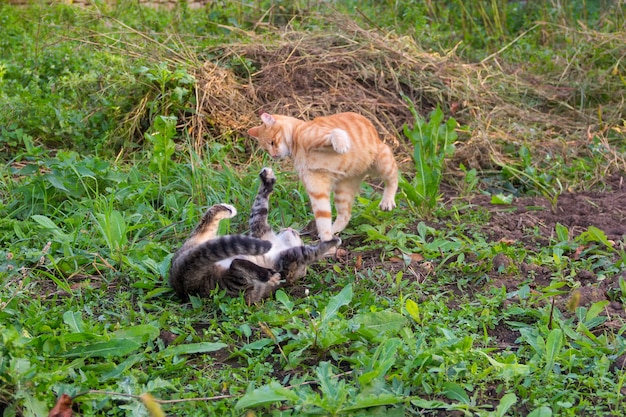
[{"x": 268, "y": 119}]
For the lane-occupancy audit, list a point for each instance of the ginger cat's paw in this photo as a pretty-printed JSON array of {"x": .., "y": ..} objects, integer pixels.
[{"x": 387, "y": 205}]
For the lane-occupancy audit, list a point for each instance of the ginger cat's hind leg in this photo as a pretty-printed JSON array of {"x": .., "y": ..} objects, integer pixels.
[
  {"x": 387, "y": 168},
  {"x": 345, "y": 192}
]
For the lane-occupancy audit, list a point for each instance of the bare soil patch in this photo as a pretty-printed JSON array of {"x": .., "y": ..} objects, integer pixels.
[{"x": 577, "y": 211}]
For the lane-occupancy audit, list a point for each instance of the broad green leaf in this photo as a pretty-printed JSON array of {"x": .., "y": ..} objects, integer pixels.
[
  {"x": 71, "y": 338},
  {"x": 271, "y": 393},
  {"x": 328, "y": 385},
  {"x": 113, "y": 227},
  {"x": 336, "y": 302},
  {"x": 44, "y": 221},
  {"x": 413, "y": 309},
  {"x": 202, "y": 347},
  {"x": 157, "y": 292},
  {"x": 501, "y": 199},
  {"x": 422, "y": 230},
  {"x": 422, "y": 175},
  {"x": 383, "y": 359},
  {"x": 562, "y": 232},
  {"x": 74, "y": 320},
  {"x": 595, "y": 322},
  {"x": 375, "y": 325},
  {"x": 455, "y": 392},
  {"x": 373, "y": 233},
  {"x": 111, "y": 348},
  {"x": 593, "y": 234},
  {"x": 443, "y": 246},
  {"x": 364, "y": 400},
  {"x": 595, "y": 309},
  {"x": 283, "y": 298},
  {"x": 543, "y": 411},
  {"x": 85, "y": 171},
  {"x": 48, "y": 224},
  {"x": 506, "y": 370},
  {"x": 128, "y": 363},
  {"x": 57, "y": 183},
  {"x": 33, "y": 407},
  {"x": 506, "y": 402},
  {"x": 554, "y": 343},
  {"x": 431, "y": 404},
  {"x": 141, "y": 333},
  {"x": 257, "y": 344},
  {"x": 409, "y": 190}
]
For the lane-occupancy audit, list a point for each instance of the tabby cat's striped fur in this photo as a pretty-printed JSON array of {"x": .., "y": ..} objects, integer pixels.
[
  {"x": 331, "y": 154},
  {"x": 254, "y": 264}
]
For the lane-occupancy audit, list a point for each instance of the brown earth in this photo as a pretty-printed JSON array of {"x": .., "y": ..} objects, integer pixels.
[
  {"x": 531, "y": 221},
  {"x": 576, "y": 211}
]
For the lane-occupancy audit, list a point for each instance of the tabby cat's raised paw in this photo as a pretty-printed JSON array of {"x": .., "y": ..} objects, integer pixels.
[
  {"x": 267, "y": 176},
  {"x": 228, "y": 210}
]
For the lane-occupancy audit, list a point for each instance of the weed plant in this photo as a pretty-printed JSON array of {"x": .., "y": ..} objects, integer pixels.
[
  {"x": 87, "y": 233},
  {"x": 433, "y": 142}
]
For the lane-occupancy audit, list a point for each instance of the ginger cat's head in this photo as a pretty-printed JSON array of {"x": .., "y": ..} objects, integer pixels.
[{"x": 274, "y": 135}]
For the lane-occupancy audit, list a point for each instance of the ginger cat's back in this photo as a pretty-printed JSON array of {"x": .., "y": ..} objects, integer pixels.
[{"x": 312, "y": 151}]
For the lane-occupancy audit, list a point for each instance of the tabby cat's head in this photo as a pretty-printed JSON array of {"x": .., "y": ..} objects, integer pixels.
[
  {"x": 273, "y": 135},
  {"x": 290, "y": 237}
]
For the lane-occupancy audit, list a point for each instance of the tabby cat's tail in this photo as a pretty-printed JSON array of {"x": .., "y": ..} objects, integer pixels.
[{"x": 193, "y": 268}]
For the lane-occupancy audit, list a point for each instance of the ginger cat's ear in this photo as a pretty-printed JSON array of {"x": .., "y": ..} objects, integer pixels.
[
  {"x": 254, "y": 132},
  {"x": 268, "y": 119}
]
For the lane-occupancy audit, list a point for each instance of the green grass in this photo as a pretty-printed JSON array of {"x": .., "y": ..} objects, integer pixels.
[{"x": 100, "y": 183}]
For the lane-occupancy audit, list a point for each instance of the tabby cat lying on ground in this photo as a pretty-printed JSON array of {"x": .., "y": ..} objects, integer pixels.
[
  {"x": 331, "y": 154},
  {"x": 253, "y": 264}
]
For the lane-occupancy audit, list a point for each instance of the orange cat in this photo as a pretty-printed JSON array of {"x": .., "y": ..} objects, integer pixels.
[{"x": 331, "y": 154}]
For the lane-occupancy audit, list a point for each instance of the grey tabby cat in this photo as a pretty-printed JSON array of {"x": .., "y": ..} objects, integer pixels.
[{"x": 255, "y": 264}]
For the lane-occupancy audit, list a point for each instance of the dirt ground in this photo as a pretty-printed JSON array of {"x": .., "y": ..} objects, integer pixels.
[
  {"x": 576, "y": 211},
  {"x": 519, "y": 223}
]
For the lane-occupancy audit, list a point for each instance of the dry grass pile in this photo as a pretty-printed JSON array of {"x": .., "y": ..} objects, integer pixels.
[
  {"x": 223, "y": 105},
  {"x": 352, "y": 69}
]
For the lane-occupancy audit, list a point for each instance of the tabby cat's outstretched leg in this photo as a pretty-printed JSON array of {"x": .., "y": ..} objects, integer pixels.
[
  {"x": 207, "y": 228},
  {"x": 259, "y": 226},
  {"x": 293, "y": 262}
]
